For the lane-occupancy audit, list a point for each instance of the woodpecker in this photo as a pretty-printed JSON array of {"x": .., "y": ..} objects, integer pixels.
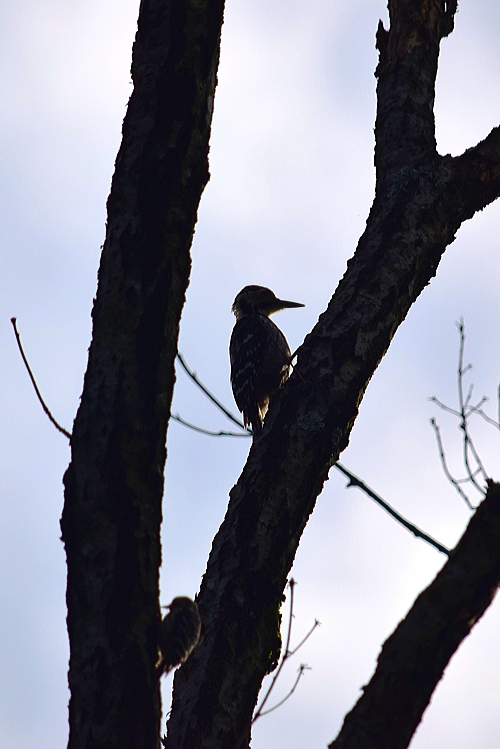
[
  {"x": 180, "y": 631},
  {"x": 259, "y": 352}
]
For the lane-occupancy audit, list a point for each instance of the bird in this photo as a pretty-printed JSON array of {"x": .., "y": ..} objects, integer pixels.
[
  {"x": 259, "y": 352},
  {"x": 179, "y": 634}
]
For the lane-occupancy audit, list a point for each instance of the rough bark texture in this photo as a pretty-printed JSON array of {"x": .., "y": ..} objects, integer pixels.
[
  {"x": 421, "y": 200},
  {"x": 413, "y": 659},
  {"x": 114, "y": 484}
]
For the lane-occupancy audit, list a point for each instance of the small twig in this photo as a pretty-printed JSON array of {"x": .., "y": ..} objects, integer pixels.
[
  {"x": 304, "y": 639},
  {"x": 484, "y": 399},
  {"x": 480, "y": 412},
  {"x": 469, "y": 396},
  {"x": 468, "y": 443},
  {"x": 33, "y": 381},
  {"x": 355, "y": 481},
  {"x": 448, "y": 475},
  {"x": 480, "y": 468},
  {"x": 301, "y": 670},
  {"x": 195, "y": 428},
  {"x": 284, "y": 655},
  {"x": 443, "y": 407},
  {"x": 207, "y": 392}
]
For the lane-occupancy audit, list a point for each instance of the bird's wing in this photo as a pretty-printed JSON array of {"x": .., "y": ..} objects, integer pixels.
[{"x": 247, "y": 350}]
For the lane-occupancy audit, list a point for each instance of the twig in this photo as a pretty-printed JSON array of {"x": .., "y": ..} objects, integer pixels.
[
  {"x": 355, "y": 481},
  {"x": 465, "y": 411},
  {"x": 468, "y": 443},
  {"x": 454, "y": 481},
  {"x": 195, "y": 428},
  {"x": 479, "y": 470},
  {"x": 33, "y": 381},
  {"x": 286, "y": 654},
  {"x": 449, "y": 410},
  {"x": 207, "y": 392},
  {"x": 301, "y": 670}
]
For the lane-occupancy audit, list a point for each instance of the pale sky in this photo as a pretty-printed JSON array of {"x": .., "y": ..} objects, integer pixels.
[{"x": 292, "y": 183}]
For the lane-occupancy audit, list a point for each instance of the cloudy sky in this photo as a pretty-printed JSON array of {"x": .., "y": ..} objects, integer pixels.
[{"x": 292, "y": 183}]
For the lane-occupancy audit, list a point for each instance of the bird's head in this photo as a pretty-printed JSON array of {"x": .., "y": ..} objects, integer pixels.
[
  {"x": 180, "y": 603},
  {"x": 259, "y": 300}
]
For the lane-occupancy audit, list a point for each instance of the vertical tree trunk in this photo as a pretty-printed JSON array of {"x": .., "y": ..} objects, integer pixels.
[{"x": 114, "y": 484}]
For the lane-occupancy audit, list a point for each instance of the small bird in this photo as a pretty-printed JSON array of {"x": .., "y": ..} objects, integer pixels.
[
  {"x": 179, "y": 634},
  {"x": 259, "y": 352}
]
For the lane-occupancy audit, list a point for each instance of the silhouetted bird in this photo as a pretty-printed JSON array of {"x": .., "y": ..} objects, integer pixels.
[
  {"x": 259, "y": 352},
  {"x": 179, "y": 634}
]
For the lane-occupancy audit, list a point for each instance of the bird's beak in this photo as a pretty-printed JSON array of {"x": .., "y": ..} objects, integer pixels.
[{"x": 286, "y": 305}]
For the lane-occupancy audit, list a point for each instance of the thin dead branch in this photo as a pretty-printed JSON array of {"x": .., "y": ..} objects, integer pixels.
[
  {"x": 285, "y": 655},
  {"x": 353, "y": 480},
  {"x": 33, "y": 382}
]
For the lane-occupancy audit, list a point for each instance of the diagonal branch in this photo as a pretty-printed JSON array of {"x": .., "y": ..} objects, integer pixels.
[
  {"x": 355, "y": 481},
  {"x": 207, "y": 392},
  {"x": 413, "y": 659},
  {"x": 33, "y": 382},
  {"x": 421, "y": 201}
]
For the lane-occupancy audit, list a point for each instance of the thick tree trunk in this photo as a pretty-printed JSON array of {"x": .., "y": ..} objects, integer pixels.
[
  {"x": 114, "y": 484},
  {"x": 413, "y": 659},
  {"x": 421, "y": 200}
]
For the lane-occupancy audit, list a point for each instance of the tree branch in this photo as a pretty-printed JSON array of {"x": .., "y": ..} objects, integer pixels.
[
  {"x": 354, "y": 481},
  {"x": 33, "y": 382},
  {"x": 227, "y": 413},
  {"x": 413, "y": 659},
  {"x": 414, "y": 217}
]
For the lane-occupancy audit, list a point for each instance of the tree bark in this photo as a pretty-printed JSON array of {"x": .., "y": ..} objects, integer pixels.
[
  {"x": 413, "y": 659},
  {"x": 114, "y": 484},
  {"x": 421, "y": 200}
]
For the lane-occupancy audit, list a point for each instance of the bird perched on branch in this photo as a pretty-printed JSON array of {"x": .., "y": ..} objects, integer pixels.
[
  {"x": 180, "y": 631},
  {"x": 259, "y": 352}
]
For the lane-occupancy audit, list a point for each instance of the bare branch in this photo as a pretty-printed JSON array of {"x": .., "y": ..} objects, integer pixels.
[
  {"x": 209, "y": 433},
  {"x": 443, "y": 407},
  {"x": 304, "y": 639},
  {"x": 33, "y": 381},
  {"x": 284, "y": 655},
  {"x": 480, "y": 468},
  {"x": 463, "y": 404},
  {"x": 207, "y": 392},
  {"x": 413, "y": 659},
  {"x": 478, "y": 409},
  {"x": 465, "y": 411},
  {"x": 301, "y": 670},
  {"x": 421, "y": 199},
  {"x": 355, "y": 481},
  {"x": 456, "y": 482}
]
